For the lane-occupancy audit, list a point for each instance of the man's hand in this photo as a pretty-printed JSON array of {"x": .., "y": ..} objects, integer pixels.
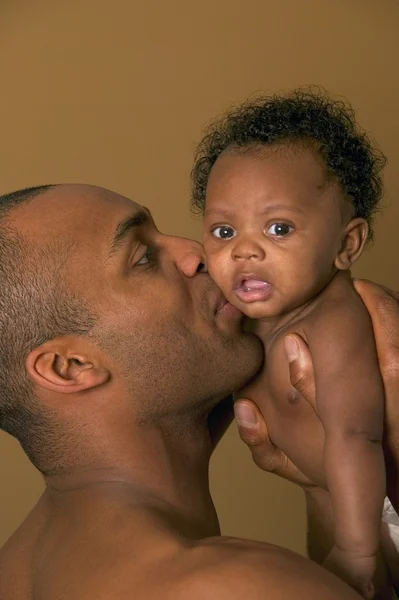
[
  {"x": 252, "y": 426},
  {"x": 382, "y": 305}
]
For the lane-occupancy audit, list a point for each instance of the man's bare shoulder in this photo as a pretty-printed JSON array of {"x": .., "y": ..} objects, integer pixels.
[
  {"x": 230, "y": 568},
  {"x": 215, "y": 568}
]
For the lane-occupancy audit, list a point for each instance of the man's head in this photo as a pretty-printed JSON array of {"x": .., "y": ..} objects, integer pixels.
[
  {"x": 105, "y": 321},
  {"x": 288, "y": 186}
]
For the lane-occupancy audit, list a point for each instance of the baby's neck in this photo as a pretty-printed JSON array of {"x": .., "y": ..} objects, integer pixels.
[{"x": 268, "y": 327}]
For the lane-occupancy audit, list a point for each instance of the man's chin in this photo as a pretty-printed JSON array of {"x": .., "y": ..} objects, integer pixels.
[
  {"x": 252, "y": 361},
  {"x": 249, "y": 324}
]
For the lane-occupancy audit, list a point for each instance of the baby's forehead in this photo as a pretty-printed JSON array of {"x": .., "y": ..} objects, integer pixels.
[
  {"x": 263, "y": 166},
  {"x": 259, "y": 182}
]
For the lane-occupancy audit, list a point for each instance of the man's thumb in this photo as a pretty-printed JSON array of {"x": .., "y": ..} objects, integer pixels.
[
  {"x": 300, "y": 367},
  {"x": 250, "y": 422}
]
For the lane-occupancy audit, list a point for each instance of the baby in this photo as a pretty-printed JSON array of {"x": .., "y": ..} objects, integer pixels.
[{"x": 287, "y": 186}]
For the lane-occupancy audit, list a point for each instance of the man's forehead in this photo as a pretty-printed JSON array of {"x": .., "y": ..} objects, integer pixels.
[
  {"x": 88, "y": 198},
  {"x": 73, "y": 210}
]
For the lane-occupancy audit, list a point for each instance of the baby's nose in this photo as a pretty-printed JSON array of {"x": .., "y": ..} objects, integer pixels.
[{"x": 247, "y": 250}]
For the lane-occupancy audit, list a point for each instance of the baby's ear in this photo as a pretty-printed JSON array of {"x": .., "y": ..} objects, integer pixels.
[{"x": 353, "y": 241}]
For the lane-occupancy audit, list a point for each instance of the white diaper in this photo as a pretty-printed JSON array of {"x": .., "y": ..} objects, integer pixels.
[{"x": 391, "y": 518}]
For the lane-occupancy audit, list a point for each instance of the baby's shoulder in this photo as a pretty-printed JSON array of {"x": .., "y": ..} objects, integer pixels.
[
  {"x": 337, "y": 304},
  {"x": 334, "y": 315},
  {"x": 337, "y": 314}
]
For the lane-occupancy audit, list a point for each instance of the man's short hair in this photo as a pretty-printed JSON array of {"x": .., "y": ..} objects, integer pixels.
[
  {"x": 34, "y": 307},
  {"x": 306, "y": 115}
]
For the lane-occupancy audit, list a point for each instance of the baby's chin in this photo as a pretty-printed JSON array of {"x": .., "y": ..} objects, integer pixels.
[
  {"x": 253, "y": 310},
  {"x": 258, "y": 312}
]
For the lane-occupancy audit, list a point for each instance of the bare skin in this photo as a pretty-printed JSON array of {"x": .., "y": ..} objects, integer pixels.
[
  {"x": 338, "y": 446},
  {"x": 382, "y": 305},
  {"x": 280, "y": 238},
  {"x": 127, "y": 511}
]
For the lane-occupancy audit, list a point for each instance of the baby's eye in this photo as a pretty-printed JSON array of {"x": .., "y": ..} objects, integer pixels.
[
  {"x": 280, "y": 229},
  {"x": 224, "y": 232}
]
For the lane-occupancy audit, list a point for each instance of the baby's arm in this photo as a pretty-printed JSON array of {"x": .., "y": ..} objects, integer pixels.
[{"x": 350, "y": 404}]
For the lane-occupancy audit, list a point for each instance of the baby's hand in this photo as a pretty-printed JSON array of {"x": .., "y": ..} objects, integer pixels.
[{"x": 356, "y": 570}]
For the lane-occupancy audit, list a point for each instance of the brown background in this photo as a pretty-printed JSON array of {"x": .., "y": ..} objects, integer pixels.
[{"x": 116, "y": 94}]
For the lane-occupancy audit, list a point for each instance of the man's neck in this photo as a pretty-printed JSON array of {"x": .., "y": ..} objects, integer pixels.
[{"x": 156, "y": 469}]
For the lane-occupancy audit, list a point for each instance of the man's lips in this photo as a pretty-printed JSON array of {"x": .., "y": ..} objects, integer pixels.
[
  {"x": 250, "y": 288},
  {"x": 222, "y": 301},
  {"x": 223, "y": 307}
]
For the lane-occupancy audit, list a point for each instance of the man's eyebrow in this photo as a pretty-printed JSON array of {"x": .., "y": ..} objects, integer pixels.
[{"x": 125, "y": 227}]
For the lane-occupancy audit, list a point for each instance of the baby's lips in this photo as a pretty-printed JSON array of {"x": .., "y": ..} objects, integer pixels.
[
  {"x": 253, "y": 291},
  {"x": 245, "y": 279},
  {"x": 254, "y": 284}
]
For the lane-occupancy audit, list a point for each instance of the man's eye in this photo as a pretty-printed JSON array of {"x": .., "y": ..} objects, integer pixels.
[
  {"x": 280, "y": 229},
  {"x": 224, "y": 232},
  {"x": 147, "y": 258}
]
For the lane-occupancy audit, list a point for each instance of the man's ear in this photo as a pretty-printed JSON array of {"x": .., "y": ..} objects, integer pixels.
[
  {"x": 353, "y": 241},
  {"x": 66, "y": 365}
]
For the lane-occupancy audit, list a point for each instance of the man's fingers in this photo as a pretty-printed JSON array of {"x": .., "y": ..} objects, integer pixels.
[
  {"x": 301, "y": 367},
  {"x": 371, "y": 284},
  {"x": 387, "y": 290},
  {"x": 384, "y": 312},
  {"x": 253, "y": 431},
  {"x": 250, "y": 422}
]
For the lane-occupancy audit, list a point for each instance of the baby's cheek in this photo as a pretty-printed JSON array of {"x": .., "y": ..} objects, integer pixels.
[
  {"x": 218, "y": 265},
  {"x": 216, "y": 272}
]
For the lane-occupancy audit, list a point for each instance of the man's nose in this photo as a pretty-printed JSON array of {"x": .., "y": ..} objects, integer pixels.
[
  {"x": 189, "y": 256},
  {"x": 247, "y": 249}
]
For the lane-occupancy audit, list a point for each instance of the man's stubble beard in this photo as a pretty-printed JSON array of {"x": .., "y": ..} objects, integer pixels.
[{"x": 180, "y": 372}]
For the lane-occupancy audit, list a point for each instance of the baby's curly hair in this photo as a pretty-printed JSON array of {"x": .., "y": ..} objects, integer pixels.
[{"x": 303, "y": 115}]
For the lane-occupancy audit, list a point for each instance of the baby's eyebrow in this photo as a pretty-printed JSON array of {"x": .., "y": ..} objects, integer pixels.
[
  {"x": 280, "y": 206},
  {"x": 217, "y": 211},
  {"x": 267, "y": 209}
]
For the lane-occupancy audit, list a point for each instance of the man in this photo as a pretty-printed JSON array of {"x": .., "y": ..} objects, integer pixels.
[{"x": 116, "y": 349}]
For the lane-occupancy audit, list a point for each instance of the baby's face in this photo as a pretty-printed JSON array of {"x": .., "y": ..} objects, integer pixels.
[{"x": 272, "y": 229}]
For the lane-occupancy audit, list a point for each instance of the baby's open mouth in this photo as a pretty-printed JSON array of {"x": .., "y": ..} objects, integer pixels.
[{"x": 251, "y": 289}]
